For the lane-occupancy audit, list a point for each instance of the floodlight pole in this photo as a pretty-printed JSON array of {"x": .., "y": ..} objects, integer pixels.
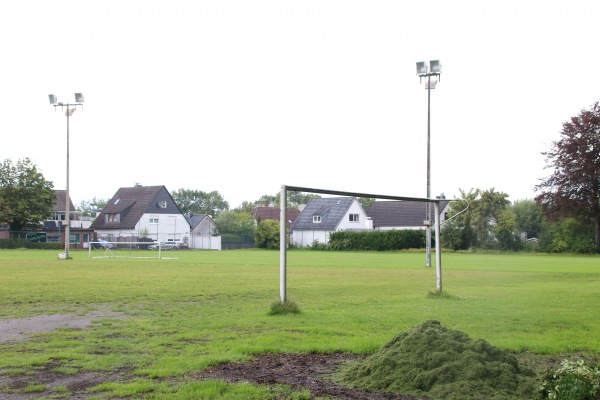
[
  {"x": 69, "y": 111},
  {"x": 423, "y": 70}
]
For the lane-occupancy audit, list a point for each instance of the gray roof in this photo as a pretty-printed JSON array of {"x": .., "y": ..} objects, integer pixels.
[
  {"x": 331, "y": 210},
  {"x": 194, "y": 220},
  {"x": 399, "y": 213}
]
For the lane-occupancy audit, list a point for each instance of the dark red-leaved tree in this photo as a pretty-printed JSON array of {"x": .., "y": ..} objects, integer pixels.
[{"x": 573, "y": 189}]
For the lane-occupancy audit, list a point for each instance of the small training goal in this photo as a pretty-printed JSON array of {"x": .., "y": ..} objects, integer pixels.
[{"x": 104, "y": 249}]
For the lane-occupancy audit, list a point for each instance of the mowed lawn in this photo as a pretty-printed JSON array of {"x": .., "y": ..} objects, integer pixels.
[{"x": 207, "y": 307}]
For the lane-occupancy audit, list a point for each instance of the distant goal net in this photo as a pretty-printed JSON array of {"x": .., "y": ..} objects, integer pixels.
[{"x": 104, "y": 249}]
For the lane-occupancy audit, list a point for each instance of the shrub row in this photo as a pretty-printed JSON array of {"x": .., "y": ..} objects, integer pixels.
[
  {"x": 377, "y": 240},
  {"x": 24, "y": 244}
]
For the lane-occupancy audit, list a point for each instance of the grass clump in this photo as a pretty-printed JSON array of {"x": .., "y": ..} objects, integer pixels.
[
  {"x": 442, "y": 363},
  {"x": 287, "y": 307}
]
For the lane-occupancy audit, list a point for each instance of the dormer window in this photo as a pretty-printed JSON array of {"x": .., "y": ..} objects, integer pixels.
[
  {"x": 162, "y": 204},
  {"x": 316, "y": 219},
  {"x": 113, "y": 217}
]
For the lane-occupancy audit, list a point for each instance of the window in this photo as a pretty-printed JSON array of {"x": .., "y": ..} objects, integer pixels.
[
  {"x": 316, "y": 219},
  {"x": 113, "y": 218},
  {"x": 154, "y": 220},
  {"x": 162, "y": 204},
  {"x": 353, "y": 217}
]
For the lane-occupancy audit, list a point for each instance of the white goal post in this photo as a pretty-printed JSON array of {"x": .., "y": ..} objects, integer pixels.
[
  {"x": 105, "y": 249},
  {"x": 283, "y": 220}
]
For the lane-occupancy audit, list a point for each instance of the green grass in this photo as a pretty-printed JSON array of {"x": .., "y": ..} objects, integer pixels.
[{"x": 209, "y": 307}]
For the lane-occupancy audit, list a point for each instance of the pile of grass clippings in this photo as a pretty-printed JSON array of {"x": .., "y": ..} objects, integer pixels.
[{"x": 440, "y": 363}]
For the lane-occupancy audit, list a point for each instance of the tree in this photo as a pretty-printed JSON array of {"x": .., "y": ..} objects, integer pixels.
[
  {"x": 199, "y": 202},
  {"x": 267, "y": 234},
  {"x": 529, "y": 217},
  {"x": 366, "y": 202},
  {"x": 26, "y": 197},
  {"x": 458, "y": 233},
  {"x": 235, "y": 222},
  {"x": 486, "y": 223},
  {"x": 573, "y": 188},
  {"x": 88, "y": 208},
  {"x": 506, "y": 231},
  {"x": 294, "y": 199}
]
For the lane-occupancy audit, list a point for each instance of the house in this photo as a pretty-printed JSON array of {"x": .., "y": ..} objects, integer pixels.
[
  {"x": 53, "y": 230},
  {"x": 201, "y": 234},
  {"x": 321, "y": 216},
  {"x": 142, "y": 211},
  {"x": 388, "y": 215},
  {"x": 59, "y": 211},
  {"x": 265, "y": 212}
]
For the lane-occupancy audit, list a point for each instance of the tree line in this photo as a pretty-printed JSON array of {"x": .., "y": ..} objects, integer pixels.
[{"x": 563, "y": 217}]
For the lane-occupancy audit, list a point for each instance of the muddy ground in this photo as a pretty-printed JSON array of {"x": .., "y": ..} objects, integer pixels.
[{"x": 300, "y": 371}]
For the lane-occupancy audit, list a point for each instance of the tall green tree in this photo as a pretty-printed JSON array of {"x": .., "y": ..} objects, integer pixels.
[
  {"x": 458, "y": 233},
  {"x": 573, "y": 188},
  {"x": 486, "y": 223},
  {"x": 529, "y": 217},
  {"x": 267, "y": 234},
  {"x": 294, "y": 199},
  {"x": 366, "y": 202},
  {"x": 26, "y": 197},
  {"x": 199, "y": 202},
  {"x": 235, "y": 222},
  {"x": 88, "y": 208}
]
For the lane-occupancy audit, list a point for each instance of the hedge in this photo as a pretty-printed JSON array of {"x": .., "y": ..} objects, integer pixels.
[
  {"x": 24, "y": 244},
  {"x": 377, "y": 240}
]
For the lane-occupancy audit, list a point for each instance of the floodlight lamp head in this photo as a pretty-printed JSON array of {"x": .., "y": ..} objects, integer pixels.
[
  {"x": 421, "y": 68},
  {"x": 435, "y": 67},
  {"x": 53, "y": 99},
  {"x": 79, "y": 97}
]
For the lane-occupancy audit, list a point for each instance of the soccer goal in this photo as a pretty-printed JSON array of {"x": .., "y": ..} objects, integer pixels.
[
  {"x": 104, "y": 249},
  {"x": 283, "y": 221}
]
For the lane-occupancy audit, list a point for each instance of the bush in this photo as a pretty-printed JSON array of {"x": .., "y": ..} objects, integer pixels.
[{"x": 574, "y": 380}]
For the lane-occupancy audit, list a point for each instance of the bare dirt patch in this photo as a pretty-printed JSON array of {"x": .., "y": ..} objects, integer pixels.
[
  {"x": 300, "y": 371},
  {"x": 21, "y": 329}
]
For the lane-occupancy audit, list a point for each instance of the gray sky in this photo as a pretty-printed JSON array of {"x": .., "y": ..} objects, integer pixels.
[{"x": 244, "y": 96}]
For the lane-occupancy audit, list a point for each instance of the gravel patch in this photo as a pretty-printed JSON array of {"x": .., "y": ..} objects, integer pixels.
[{"x": 19, "y": 330}]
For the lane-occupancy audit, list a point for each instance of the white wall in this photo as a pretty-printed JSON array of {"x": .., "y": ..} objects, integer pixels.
[
  {"x": 306, "y": 238},
  {"x": 169, "y": 227},
  {"x": 205, "y": 242}
]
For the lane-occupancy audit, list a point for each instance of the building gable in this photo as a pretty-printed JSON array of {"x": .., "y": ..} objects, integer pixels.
[{"x": 129, "y": 204}]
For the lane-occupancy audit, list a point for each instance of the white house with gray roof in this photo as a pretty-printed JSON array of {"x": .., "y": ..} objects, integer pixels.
[{"x": 322, "y": 216}]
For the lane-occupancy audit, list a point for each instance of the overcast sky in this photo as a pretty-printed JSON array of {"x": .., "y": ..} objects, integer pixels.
[{"x": 244, "y": 96}]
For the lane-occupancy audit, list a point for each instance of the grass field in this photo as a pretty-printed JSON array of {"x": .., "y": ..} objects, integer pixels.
[{"x": 208, "y": 307}]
